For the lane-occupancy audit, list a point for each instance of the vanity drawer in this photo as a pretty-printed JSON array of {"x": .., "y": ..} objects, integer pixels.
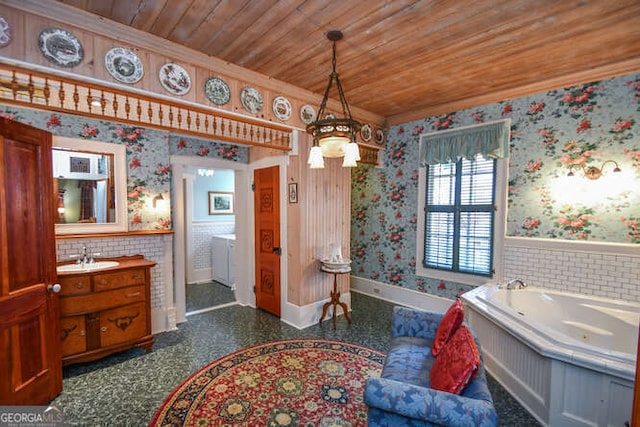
[
  {"x": 123, "y": 324},
  {"x": 73, "y": 335},
  {"x": 88, "y": 303},
  {"x": 74, "y": 285},
  {"x": 104, "y": 282}
]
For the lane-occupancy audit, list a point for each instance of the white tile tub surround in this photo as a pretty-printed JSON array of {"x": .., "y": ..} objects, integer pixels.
[
  {"x": 154, "y": 247},
  {"x": 590, "y": 268}
]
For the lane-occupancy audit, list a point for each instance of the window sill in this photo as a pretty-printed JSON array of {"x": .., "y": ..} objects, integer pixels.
[{"x": 449, "y": 276}]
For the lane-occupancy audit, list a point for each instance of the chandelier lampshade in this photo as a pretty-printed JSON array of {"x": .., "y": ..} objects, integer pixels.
[{"x": 334, "y": 136}]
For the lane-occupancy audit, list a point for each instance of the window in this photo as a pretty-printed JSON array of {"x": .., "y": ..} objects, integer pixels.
[
  {"x": 462, "y": 196},
  {"x": 459, "y": 216}
]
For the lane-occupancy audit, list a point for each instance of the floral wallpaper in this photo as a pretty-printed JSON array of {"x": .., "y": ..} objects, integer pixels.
[
  {"x": 552, "y": 134},
  {"x": 148, "y": 151}
]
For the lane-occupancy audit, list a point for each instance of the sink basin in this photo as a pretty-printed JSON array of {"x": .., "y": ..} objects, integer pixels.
[{"x": 99, "y": 265}]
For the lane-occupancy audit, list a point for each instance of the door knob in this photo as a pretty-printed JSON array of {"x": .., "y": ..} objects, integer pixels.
[
  {"x": 277, "y": 251},
  {"x": 54, "y": 288}
]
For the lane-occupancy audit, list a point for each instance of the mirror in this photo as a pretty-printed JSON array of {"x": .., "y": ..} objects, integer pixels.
[{"x": 90, "y": 186}]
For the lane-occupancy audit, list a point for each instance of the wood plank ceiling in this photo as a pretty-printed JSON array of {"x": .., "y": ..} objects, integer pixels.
[{"x": 403, "y": 59}]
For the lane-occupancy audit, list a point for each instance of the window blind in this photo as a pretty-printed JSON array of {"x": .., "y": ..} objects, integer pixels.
[{"x": 459, "y": 216}]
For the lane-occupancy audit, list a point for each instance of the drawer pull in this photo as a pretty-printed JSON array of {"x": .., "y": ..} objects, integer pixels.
[
  {"x": 103, "y": 329},
  {"x": 82, "y": 333},
  {"x": 135, "y": 294},
  {"x": 79, "y": 285},
  {"x": 64, "y": 332},
  {"x": 104, "y": 282},
  {"x": 137, "y": 276},
  {"x": 123, "y": 322}
]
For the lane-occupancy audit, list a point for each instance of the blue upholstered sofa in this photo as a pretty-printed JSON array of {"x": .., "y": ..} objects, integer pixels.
[{"x": 402, "y": 397}]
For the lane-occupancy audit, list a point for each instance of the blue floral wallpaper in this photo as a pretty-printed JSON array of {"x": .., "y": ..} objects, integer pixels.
[
  {"x": 552, "y": 134},
  {"x": 148, "y": 151}
]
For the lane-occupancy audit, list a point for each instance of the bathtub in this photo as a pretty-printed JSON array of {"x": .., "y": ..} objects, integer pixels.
[{"x": 570, "y": 359}]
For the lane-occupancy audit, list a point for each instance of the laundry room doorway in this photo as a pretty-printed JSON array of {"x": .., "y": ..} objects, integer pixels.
[{"x": 206, "y": 207}]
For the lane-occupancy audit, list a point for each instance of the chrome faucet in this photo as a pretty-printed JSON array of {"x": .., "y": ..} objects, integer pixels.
[
  {"x": 516, "y": 284},
  {"x": 84, "y": 258}
]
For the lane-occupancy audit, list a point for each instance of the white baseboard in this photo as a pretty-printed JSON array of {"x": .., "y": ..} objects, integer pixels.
[
  {"x": 399, "y": 295},
  {"x": 301, "y": 317},
  {"x": 200, "y": 276}
]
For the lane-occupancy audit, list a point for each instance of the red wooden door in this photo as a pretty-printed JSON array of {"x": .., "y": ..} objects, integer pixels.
[
  {"x": 267, "y": 238},
  {"x": 30, "y": 355}
]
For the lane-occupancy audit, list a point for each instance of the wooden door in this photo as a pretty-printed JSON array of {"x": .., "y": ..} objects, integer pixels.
[
  {"x": 30, "y": 354},
  {"x": 267, "y": 237}
]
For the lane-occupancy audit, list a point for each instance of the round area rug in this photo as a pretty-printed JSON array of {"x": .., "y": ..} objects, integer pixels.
[{"x": 305, "y": 382}]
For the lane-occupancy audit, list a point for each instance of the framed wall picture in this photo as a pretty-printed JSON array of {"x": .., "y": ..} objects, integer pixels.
[
  {"x": 293, "y": 192},
  {"x": 80, "y": 164},
  {"x": 220, "y": 203}
]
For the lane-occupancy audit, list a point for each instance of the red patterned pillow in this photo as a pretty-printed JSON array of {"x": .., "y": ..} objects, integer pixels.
[
  {"x": 457, "y": 364},
  {"x": 450, "y": 322}
]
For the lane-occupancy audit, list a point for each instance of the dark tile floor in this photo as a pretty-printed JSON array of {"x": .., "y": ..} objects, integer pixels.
[
  {"x": 201, "y": 296},
  {"x": 126, "y": 389}
]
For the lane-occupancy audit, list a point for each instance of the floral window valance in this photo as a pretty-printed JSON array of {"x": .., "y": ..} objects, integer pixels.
[{"x": 491, "y": 140}]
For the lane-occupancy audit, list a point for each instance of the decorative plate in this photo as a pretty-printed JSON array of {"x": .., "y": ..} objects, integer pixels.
[
  {"x": 6, "y": 34},
  {"x": 307, "y": 114},
  {"x": 282, "y": 108},
  {"x": 123, "y": 65},
  {"x": 217, "y": 91},
  {"x": 379, "y": 136},
  {"x": 365, "y": 132},
  {"x": 60, "y": 47},
  {"x": 175, "y": 79},
  {"x": 251, "y": 99}
]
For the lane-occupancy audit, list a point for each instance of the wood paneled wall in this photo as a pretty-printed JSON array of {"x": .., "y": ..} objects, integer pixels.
[{"x": 322, "y": 216}]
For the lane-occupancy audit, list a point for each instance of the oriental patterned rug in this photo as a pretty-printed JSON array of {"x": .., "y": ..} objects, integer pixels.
[{"x": 305, "y": 382}]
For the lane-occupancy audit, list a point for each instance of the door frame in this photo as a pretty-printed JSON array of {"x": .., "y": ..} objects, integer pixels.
[
  {"x": 179, "y": 173},
  {"x": 245, "y": 242}
]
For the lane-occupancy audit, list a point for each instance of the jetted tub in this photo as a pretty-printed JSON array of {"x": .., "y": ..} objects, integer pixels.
[{"x": 569, "y": 358}]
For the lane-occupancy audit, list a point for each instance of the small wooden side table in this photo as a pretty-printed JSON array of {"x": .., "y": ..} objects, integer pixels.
[{"x": 335, "y": 296}]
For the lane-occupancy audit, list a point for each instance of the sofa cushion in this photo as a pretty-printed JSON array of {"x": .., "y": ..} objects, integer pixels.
[
  {"x": 456, "y": 364},
  {"x": 409, "y": 360},
  {"x": 448, "y": 325}
]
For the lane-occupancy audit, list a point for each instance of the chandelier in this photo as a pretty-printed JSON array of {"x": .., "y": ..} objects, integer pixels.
[{"x": 334, "y": 136}]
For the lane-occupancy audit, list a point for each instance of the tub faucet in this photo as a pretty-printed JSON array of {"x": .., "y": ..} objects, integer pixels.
[{"x": 516, "y": 284}]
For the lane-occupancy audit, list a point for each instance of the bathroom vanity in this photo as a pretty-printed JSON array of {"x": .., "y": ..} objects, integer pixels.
[{"x": 104, "y": 309}]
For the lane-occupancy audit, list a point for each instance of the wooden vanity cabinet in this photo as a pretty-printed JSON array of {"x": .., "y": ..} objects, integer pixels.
[{"x": 105, "y": 311}]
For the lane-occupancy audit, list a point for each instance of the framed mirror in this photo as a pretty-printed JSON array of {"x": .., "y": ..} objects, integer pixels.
[{"x": 90, "y": 186}]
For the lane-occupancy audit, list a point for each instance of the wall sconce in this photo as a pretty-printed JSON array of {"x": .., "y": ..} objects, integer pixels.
[
  {"x": 158, "y": 199},
  {"x": 593, "y": 172}
]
